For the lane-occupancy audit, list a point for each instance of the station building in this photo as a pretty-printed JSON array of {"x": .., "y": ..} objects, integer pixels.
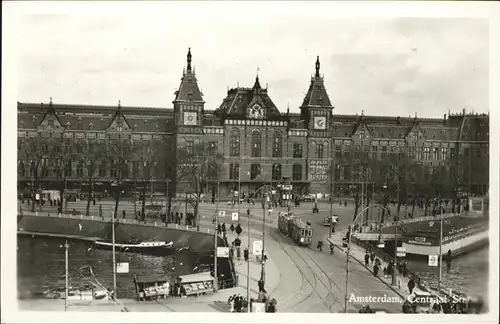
[{"x": 260, "y": 142}]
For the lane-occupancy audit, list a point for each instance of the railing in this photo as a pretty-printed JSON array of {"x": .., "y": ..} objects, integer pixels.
[{"x": 147, "y": 222}]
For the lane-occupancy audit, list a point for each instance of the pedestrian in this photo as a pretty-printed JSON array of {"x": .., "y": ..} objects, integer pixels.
[
  {"x": 245, "y": 254},
  {"x": 224, "y": 228},
  {"x": 231, "y": 228},
  {"x": 231, "y": 303},
  {"x": 320, "y": 246},
  {"x": 261, "y": 285},
  {"x": 411, "y": 285},
  {"x": 375, "y": 269},
  {"x": 238, "y": 229},
  {"x": 238, "y": 252},
  {"x": 367, "y": 259},
  {"x": 219, "y": 229},
  {"x": 372, "y": 257},
  {"x": 123, "y": 214}
]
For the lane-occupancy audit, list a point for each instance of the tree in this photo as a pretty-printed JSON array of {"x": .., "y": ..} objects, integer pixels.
[
  {"x": 146, "y": 157},
  {"x": 195, "y": 166},
  {"x": 38, "y": 152},
  {"x": 62, "y": 164},
  {"x": 95, "y": 159},
  {"x": 118, "y": 155}
]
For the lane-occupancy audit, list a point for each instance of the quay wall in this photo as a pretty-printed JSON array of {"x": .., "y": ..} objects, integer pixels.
[{"x": 124, "y": 232}]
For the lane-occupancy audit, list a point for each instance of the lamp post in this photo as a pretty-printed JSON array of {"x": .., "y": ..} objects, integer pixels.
[
  {"x": 354, "y": 222},
  {"x": 216, "y": 287},
  {"x": 332, "y": 192},
  {"x": 263, "y": 270},
  {"x": 394, "y": 273},
  {"x": 66, "y": 248},
  {"x": 440, "y": 251}
]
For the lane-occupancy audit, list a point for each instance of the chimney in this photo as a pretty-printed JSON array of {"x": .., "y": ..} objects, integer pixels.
[{"x": 444, "y": 120}]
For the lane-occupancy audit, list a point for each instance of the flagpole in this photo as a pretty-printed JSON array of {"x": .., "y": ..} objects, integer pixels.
[{"x": 216, "y": 287}]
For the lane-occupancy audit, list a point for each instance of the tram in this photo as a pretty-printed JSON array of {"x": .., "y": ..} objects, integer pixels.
[{"x": 295, "y": 228}]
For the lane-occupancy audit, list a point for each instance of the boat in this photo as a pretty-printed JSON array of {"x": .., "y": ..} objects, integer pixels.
[{"x": 155, "y": 247}]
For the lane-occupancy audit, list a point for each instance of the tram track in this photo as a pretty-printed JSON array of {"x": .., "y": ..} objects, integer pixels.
[{"x": 316, "y": 277}]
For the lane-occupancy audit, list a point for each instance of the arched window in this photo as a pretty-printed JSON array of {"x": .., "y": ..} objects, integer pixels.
[
  {"x": 256, "y": 144},
  {"x": 276, "y": 174},
  {"x": 254, "y": 171},
  {"x": 297, "y": 172},
  {"x": 277, "y": 144},
  {"x": 234, "y": 143},
  {"x": 21, "y": 168}
]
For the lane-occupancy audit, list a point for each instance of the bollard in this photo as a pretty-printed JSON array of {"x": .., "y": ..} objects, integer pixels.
[
  {"x": 176, "y": 226},
  {"x": 59, "y": 214},
  {"x": 187, "y": 227},
  {"x": 156, "y": 224},
  {"x": 36, "y": 213},
  {"x": 91, "y": 217}
]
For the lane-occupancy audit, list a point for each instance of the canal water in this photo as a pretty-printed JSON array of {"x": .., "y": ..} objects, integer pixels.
[
  {"x": 41, "y": 266},
  {"x": 468, "y": 273}
]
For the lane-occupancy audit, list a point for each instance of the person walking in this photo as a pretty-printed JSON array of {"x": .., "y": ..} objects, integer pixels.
[
  {"x": 231, "y": 228},
  {"x": 245, "y": 254},
  {"x": 367, "y": 259},
  {"x": 411, "y": 285}
]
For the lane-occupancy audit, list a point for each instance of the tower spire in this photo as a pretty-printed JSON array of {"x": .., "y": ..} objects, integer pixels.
[
  {"x": 317, "y": 67},
  {"x": 189, "y": 60}
]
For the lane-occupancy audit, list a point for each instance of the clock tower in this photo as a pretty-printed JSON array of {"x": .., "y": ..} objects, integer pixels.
[
  {"x": 188, "y": 103},
  {"x": 316, "y": 110}
]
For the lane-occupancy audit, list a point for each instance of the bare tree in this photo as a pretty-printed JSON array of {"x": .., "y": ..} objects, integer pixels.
[
  {"x": 195, "y": 166},
  {"x": 95, "y": 156},
  {"x": 38, "y": 153},
  {"x": 118, "y": 155},
  {"x": 147, "y": 157},
  {"x": 63, "y": 157}
]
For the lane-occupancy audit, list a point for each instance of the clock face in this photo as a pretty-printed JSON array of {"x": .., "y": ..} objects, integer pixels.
[
  {"x": 319, "y": 122},
  {"x": 256, "y": 112},
  {"x": 190, "y": 118}
]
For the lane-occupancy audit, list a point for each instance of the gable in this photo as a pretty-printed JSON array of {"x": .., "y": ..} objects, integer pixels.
[
  {"x": 362, "y": 132},
  {"x": 119, "y": 123},
  {"x": 415, "y": 134},
  {"x": 50, "y": 122}
]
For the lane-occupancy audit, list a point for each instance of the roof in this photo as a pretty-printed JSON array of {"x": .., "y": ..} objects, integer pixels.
[
  {"x": 316, "y": 94},
  {"x": 97, "y": 118},
  {"x": 239, "y": 99},
  {"x": 189, "y": 90},
  {"x": 151, "y": 279},
  {"x": 196, "y": 277}
]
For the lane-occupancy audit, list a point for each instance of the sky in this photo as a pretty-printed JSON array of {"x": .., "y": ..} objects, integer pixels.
[{"x": 378, "y": 66}]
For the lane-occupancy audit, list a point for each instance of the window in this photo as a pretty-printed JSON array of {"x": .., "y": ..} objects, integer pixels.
[
  {"x": 466, "y": 151},
  {"x": 427, "y": 153},
  {"x": 418, "y": 151},
  {"x": 478, "y": 152},
  {"x": 234, "y": 171},
  {"x": 338, "y": 151},
  {"x": 68, "y": 170},
  {"x": 102, "y": 170},
  {"x": 212, "y": 148},
  {"x": 254, "y": 171},
  {"x": 79, "y": 169},
  {"x": 21, "y": 169},
  {"x": 320, "y": 151},
  {"x": 234, "y": 143},
  {"x": 190, "y": 147},
  {"x": 277, "y": 145},
  {"x": 297, "y": 172},
  {"x": 383, "y": 151},
  {"x": 276, "y": 174},
  {"x": 45, "y": 167},
  {"x": 452, "y": 152},
  {"x": 444, "y": 153},
  {"x": 256, "y": 144},
  {"x": 297, "y": 150},
  {"x": 135, "y": 169},
  {"x": 435, "y": 153},
  {"x": 114, "y": 171}
]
